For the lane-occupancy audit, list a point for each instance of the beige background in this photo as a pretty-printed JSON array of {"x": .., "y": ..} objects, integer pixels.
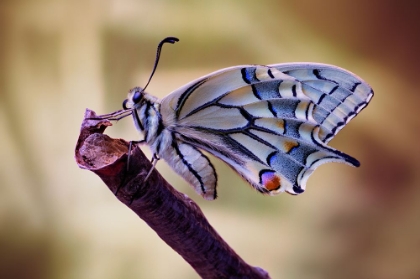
[{"x": 59, "y": 57}]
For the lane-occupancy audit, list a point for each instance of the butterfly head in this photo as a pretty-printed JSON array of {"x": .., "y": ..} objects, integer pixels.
[{"x": 135, "y": 97}]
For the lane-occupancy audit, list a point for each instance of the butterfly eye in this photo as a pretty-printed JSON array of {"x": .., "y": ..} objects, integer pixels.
[
  {"x": 124, "y": 104},
  {"x": 137, "y": 97}
]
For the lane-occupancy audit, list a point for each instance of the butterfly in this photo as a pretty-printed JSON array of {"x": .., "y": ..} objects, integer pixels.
[{"x": 270, "y": 124}]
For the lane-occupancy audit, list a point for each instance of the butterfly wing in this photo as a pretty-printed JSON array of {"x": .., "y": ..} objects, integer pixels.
[{"x": 271, "y": 124}]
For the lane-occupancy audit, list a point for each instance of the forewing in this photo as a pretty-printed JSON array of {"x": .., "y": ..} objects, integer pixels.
[
  {"x": 339, "y": 95},
  {"x": 269, "y": 123}
]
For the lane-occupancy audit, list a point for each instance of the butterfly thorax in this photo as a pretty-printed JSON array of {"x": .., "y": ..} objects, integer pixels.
[{"x": 146, "y": 116}]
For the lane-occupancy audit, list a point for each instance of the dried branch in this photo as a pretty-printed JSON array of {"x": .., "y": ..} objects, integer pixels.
[{"x": 172, "y": 215}]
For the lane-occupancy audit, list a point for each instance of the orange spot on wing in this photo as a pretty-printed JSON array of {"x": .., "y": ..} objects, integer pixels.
[
  {"x": 271, "y": 181},
  {"x": 280, "y": 124},
  {"x": 289, "y": 145}
]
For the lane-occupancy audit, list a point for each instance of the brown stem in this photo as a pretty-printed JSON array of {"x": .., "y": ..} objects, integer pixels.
[{"x": 172, "y": 215}]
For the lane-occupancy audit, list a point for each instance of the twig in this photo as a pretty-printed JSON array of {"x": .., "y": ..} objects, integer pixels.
[{"x": 172, "y": 215}]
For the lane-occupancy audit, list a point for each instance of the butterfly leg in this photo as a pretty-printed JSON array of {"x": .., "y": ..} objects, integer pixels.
[
  {"x": 154, "y": 161},
  {"x": 130, "y": 147},
  {"x": 114, "y": 116}
]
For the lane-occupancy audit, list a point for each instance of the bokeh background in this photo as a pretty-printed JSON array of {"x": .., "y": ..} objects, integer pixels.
[{"x": 58, "y": 58}]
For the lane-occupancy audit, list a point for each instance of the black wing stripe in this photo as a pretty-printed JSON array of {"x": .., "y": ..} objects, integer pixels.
[
  {"x": 183, "y": 98},
  {"x": 249, "y": 75},
  {"x": 188, "y": 165}
]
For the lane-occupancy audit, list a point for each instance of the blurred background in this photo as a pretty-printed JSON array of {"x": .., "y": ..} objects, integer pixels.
[{"x": 58, "y": 58}]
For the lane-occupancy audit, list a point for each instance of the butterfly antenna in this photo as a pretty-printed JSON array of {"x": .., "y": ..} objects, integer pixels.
[{"x": 171, "y": 40}]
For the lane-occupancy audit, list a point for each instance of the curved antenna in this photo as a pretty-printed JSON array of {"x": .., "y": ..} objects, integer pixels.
[{"x": 171, "y": 40}]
